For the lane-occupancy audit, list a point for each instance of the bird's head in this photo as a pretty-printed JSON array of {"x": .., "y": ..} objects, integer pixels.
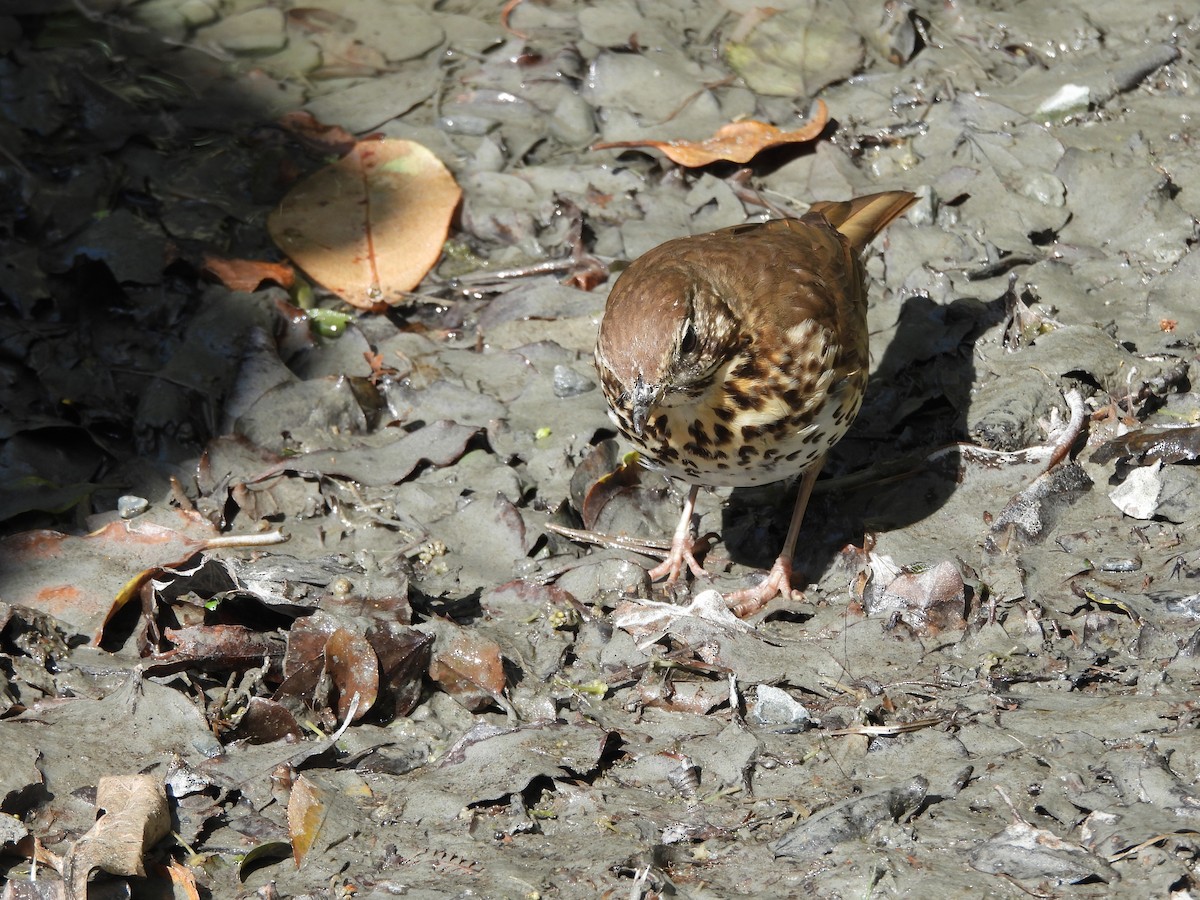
[{"x": 665, "y": 332}]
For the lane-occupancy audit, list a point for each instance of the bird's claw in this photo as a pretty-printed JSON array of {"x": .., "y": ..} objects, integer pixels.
[
  {"x": 680, "y": 554},
  {"x": 777, "y": 583}
]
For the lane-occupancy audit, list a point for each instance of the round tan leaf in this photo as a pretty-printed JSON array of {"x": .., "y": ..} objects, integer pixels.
[{"x": 372, "y": 224}]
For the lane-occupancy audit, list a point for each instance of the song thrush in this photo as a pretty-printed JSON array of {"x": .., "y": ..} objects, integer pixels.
[{"x": 739, "y": 357}]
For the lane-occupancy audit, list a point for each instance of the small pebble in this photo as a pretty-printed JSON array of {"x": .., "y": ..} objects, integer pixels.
[
  {"x": 129, "y": 506},
  {"x": 569, "y": 383},
  {"x": 774, "y": 706}
]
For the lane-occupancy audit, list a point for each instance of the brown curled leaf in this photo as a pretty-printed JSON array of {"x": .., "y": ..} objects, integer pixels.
[{"x": 737, "y": 142}]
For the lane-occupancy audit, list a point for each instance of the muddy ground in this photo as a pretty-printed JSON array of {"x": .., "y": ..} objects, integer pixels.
[{"x": 990, "y": 686}]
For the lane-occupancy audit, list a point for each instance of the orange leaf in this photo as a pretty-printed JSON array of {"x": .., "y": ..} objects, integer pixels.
[
  {"x": 352, "y": 665},
  {"x": 737, "y": 142},
  {"x": 372, "y": 224},
  {"x": 183, "y": 880},
  {"x": 306, "y": 812},
  {"x": 248, "y": 274}
]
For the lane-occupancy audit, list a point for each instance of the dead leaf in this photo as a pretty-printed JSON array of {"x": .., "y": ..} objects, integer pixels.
[
  {"x": 183, "y": 879},
  {"x": 305, "y": 815},
  {"x": 135, "y": 818},
  {"x": 265, "y": 721},
  {"x": 737, "y": 142},
  {"x": 403, "y": 656},
  {"x": 1146, "y": 446},
  {"x": 332, "y": 139},
  {"x": 350, "y": 661},
  {"x": 470, "y": 669},
  {"x": 928, "y": 601},
  {"x": 247, "y": 274},
  {"x": 372, "y": 224},
  {"x": 84, "y": 581},
  {"x": 215, "y": 648},
  {"x": 506, "y": 14}
]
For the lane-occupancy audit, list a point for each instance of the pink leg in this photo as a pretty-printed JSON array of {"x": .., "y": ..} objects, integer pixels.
[
  {"x": 681, "y": 545},
  {"x": 778, "y": 582}
]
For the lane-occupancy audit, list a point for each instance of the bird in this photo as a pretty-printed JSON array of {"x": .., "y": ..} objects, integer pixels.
[{"x": 739, "y": 357}]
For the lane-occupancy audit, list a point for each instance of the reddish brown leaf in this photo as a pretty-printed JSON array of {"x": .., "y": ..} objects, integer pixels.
[
  {"x": 737, "y": 142},
  {"x": 215, "y": 648},
  {"x": 332, "y": 139},
  {"x": 247, "y": 274},
  {"x": 470, "y": 669},
  {"x": 265, "y": 721},
  {"x": 183, "y": 880},
  {"x": 354, "y": 669}
]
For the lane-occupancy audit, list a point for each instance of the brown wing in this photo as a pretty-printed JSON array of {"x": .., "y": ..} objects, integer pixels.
[{"x": 805, "y": 272}]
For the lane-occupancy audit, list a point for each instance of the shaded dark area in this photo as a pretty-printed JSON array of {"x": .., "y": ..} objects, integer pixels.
[
  {"x": 881, "y": 477},
  {"x": 125, "y": 171}
]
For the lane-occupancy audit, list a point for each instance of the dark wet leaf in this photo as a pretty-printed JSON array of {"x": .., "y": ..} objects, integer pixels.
[
  {"x": 265, "y": 721},
  {"x": 216, "y": 648},
  {"x": 469, "y": 668},
  {"x": 404, "y": 656}
]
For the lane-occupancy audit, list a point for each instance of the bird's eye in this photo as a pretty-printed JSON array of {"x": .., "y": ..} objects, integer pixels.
[{"x": 690, "y": 342}]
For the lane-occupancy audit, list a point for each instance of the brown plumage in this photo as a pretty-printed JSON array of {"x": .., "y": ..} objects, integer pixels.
[{"x": 739, "y": 357}]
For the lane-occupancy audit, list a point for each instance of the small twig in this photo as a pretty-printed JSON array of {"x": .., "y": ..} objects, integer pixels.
[
  {"x": 647, "y": 546},
  {"x": 887, "y": 730},
  {"x": 546, "y": 267},
  {"x": 225, "y": 541},
  {"x": 1149, "y": 842},
  {"x": 1071, "y": 433}
]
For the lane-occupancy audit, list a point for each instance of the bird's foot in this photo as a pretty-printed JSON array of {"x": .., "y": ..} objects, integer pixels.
[
  {"x": 777, "y": 583},
  {"x": 681, "y": 554}
]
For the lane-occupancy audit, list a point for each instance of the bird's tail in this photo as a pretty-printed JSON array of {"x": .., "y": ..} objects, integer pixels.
[{"x": 862, "y": 218}]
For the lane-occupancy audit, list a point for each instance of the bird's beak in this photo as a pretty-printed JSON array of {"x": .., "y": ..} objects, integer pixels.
[{"x": 642, "y": 398}]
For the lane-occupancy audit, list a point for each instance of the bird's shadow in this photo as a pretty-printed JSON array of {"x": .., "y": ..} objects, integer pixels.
[{"x": 879, "y": 477}]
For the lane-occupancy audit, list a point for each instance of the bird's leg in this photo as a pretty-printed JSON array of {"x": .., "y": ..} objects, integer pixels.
[
  {"x": 778, "y": 582},
  {"x": 681, "y": 545}
]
